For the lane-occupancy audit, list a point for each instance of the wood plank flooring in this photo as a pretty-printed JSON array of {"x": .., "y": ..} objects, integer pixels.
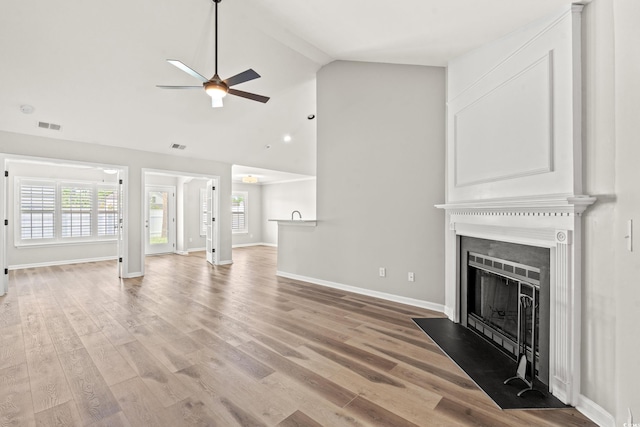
[{"x": 194, "y": 345}]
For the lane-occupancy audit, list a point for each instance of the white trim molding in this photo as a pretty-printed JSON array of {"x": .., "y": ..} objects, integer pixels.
[
  {"x": 362, "y": 291},
  {"x": 63, "y": 262},
  {"x": 595, "y": 412}
]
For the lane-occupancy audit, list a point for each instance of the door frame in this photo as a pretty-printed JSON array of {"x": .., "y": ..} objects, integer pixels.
[
  {"x": 172, "y": 211},
  {"x": 176, "y": 174}
]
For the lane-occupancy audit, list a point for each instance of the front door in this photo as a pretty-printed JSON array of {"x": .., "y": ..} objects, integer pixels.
[{"x": 160, "y": 222}]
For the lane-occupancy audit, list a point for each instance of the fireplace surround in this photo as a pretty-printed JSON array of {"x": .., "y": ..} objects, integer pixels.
[{"x": 553, "y": 224}]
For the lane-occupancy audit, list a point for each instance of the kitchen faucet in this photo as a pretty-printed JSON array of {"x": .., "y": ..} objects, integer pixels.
[{"x": 295, "y": 212}]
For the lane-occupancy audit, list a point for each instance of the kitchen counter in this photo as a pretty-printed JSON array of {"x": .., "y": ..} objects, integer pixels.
[{"x": 298, "y": 222}]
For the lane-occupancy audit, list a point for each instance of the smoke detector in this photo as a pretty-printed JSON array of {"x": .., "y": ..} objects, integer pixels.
[{"x": 27, "y": 109}]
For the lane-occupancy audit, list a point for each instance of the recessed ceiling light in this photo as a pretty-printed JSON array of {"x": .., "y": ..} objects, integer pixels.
[
  {"x": 311, "y": 116},
  {"x": 287, "y": 138},
  {"x": 110, "y": 171}
]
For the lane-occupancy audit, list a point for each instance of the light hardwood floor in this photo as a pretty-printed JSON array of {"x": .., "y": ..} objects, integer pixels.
[{"x": 190, "y": 344}]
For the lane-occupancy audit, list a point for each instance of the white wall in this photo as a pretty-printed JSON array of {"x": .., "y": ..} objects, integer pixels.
[
  {"x": 134, "y": 161},
  {"x": 598, "y": 302},
  {"x": 380, "y": 171},
  {"x": 279, "y": 200},
  {"x": 626, "y": 283},
  {"x": 610, "y": 287},
  {"x": 24, "y": 256},
  {"x": 511, "y": 104},
  {"x": 254, "y": 202}
]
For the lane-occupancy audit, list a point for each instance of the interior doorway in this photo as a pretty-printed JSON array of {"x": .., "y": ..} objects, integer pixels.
[
  {"x": 185, "y": 203},
  {"x": 59, "y": 211}
]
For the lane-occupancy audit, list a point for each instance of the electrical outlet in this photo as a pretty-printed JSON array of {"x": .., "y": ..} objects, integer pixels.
[
  {"x": 382, "y": 272},
  {"x": 411, "y": 277}
]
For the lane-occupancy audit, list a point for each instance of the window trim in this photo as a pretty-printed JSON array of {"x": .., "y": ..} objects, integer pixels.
[
  {"x": 245, "y": 195},
  {"x": 58, "y": 239}
]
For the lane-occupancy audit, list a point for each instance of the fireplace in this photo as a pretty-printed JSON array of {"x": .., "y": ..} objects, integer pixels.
[
  {"x": 549, "y": 229},
  {"x": 496, "y": 275}
]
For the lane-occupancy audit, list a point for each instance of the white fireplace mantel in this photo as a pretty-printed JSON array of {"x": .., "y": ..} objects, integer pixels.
[
  {"x": 553, "y": 223},
  {"x": 537, "y": 206}
]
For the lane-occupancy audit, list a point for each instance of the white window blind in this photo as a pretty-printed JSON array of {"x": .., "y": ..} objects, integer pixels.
[
  {"x": 107, "y": 211},
  {"x": 76, "y": 205},
  {"x": 239, "y": 212},
  {"x": 58, "y": 212},
  {"x": 204, "y": 214},
  {"x": 37, "y": 211}
]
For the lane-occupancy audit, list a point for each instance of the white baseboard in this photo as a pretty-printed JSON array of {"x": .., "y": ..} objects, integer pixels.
[
  {"x": 196, "y": 249},
  {"x": 595, "y": 412},
  {"x": 132, "y": 275},
  {"x": 182, "y": 252},
  {"x": 225, "y": 262},
  {"x": 63, "y": 262},
  {"x": 362, "y": 291},
  {"x": 245, "y": 245}
]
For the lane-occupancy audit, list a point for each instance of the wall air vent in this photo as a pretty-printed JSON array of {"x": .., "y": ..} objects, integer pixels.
[
  {"x": 52, "y": 126},
  {"x": 178, "y": 146}
]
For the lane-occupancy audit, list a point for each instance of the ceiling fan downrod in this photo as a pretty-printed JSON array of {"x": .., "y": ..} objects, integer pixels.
[{"x": 216, "y": 36}]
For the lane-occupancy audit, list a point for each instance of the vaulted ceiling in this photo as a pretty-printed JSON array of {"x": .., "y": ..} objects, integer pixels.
[{"x": 93, "y": 66}]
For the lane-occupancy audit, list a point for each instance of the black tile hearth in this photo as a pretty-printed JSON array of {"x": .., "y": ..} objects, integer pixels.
[{"x": 486, "y": 365}]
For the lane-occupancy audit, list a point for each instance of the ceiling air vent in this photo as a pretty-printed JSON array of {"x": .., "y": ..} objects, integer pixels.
[
  {"x": 178, "y": 146},
  {"x": 52, "y": 126}
]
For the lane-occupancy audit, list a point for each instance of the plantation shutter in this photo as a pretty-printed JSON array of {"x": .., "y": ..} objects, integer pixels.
[
  {"x": 37, "y": 211},
  {"x": 238, "y": 212},
  {"x": 107, "y": 211},
  {"x": 76, "y": 205}
]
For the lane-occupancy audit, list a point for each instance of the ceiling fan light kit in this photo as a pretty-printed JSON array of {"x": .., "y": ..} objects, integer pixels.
[{"x": 215, "y": 87}]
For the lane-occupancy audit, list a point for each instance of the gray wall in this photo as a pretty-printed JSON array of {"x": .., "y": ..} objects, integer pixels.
[
  {"x": 135, "y": 161},
  {"x": 281, "y": 199},
  {"x": 254, "y": 208},
  {"x": 381, "y": 146}
]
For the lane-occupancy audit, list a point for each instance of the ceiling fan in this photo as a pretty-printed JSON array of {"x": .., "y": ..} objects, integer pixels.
[{"x": 215, "y": 87}]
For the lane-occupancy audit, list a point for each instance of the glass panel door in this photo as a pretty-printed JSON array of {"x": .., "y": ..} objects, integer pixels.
[{"x": 160, "y": 220}]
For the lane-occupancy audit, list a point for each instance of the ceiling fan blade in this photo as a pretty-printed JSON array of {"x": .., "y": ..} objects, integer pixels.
[
  {"x": 216, "y": 102},
  {"x": 248, "y": 95},
  {"x": 179, "y": 87},
  {"x": 187, "y": 70},
  {"x": 244, "y": 76}
]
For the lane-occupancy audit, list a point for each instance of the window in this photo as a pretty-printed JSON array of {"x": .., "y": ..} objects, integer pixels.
[
  {"x": 37, "y": 211},
  {"x": 239, "y": 212},
  {"x": 204, "y": 212},
  {"x": 77, "y": 204},
  {"x": 107, "y": 211},
  {"x": 52, "y": 211}
]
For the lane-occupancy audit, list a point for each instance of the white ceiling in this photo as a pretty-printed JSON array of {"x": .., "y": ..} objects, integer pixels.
[{"x": 92, "y": 66}]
